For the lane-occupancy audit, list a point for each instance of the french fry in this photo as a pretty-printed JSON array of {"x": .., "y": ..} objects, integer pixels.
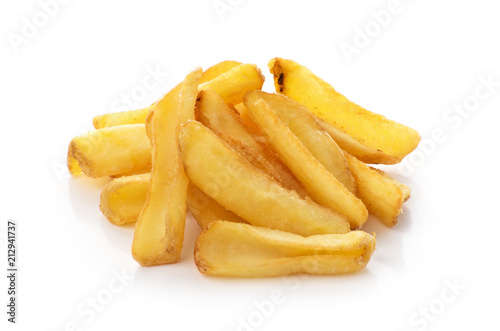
[
  {"x": 123, "y": 199},
  {"x": 223, "y": 174},
  {"x": 305, "y": 127},
  {"x": 323, "y": 187},
  {"x": 382, "y": 195},
  {"x": 242, "y": 250},
  {"x": 120, "y": 118},
  {"x": 215, "y": 114},
  {"x": 372, "y": 130},
  {"x": 217, "y": 70},
  {"x": 159, "y": 231},
  {"x": 352, "y": 146},
  {"x": 139, "y": 115},
  {"x": 110, "y": 151}
]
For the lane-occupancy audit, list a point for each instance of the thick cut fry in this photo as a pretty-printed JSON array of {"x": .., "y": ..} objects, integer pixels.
[
  {"x": 159, "y": 231},
  {"x": 352, "y": 146},
  {"x": 382, "y": 195},
  {"x": 120, "y": 118},
  {"x": 206, "y": 210},
  {"x": 242, "y": 250},
  {"x": 305, "y": 127},
  {"x": 111, "y": 151},
  {"x": 222, "y": 173},
  {"x": 217, "y": 70},
  {"x": 235, "y": 83},
  {"x": 373, "y": 130},
  {"x": 323, "y": 187},
  {"x": 215, "y": 114},
  {"x": 123, "y": 198}
]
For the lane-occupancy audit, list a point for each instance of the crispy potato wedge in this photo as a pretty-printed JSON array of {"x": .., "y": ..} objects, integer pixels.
[
  {"x": 370, "y": 129},
  {"x": 242, "y": 250},
  {"x": 159, "y": 231},
  {"x": 323, "y": 187},
  {"x": 122, "y": 199},
  {"x": 139, "y": 115},
  {"x": 382, "y": 195},
  {"x": 223, "y": 120},
  {"x": 110, "y": 151},
  {"x": 305, "y": 127},
  {"x": 226, "y": 176}
]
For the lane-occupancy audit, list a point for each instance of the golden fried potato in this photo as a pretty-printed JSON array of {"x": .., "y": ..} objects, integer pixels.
[
  {"x": 111, "y": 151},
  {"x": 226, "y": 176},
  {"x": 159, "y": 231},
  {"x": 122, "y": 199},
  {"x": 215, "y": 114},
  {"x": 242, "y": 250},
  {"x": 370, "y": 129},
  {"x": 352, "y": 146},
  {"x": 382, "y": 195},
  {"x": 217, "y": 70},
  {"x": 323, "y": 187},
  {"x": 120, "y": 118},
  {"x": 304, "y": 125}
]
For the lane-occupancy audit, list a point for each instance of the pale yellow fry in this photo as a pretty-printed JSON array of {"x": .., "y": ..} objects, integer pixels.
[
  {"x": 373, "y": 130},
  {"x": 231, "y": 180},
  {"x": 110, "y": 151},
  {"x": 217, "y": 70},
  {"x": 382, "y": 195},
  {"x": 120, "y": 118},
  {"x": 242, "y": 250},
  {"x": 159, "y": 231},
  {"x": 305, "y": 127},
  {"x": 122, "y": 199},
  {"x": 323, "y": 187}
]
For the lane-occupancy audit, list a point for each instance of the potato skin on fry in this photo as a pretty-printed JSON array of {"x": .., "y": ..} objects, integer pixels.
[
  {"x": 231, "y": 180},
  {"x": 371, "y": 129},
  {"x": 242, "y": 250}
]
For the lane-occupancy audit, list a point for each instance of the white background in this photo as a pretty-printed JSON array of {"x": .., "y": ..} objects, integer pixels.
[{"x": 429, "y": 57}]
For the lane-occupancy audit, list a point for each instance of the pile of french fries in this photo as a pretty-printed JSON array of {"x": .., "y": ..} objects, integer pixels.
[{"x": 278, "y": 182}]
